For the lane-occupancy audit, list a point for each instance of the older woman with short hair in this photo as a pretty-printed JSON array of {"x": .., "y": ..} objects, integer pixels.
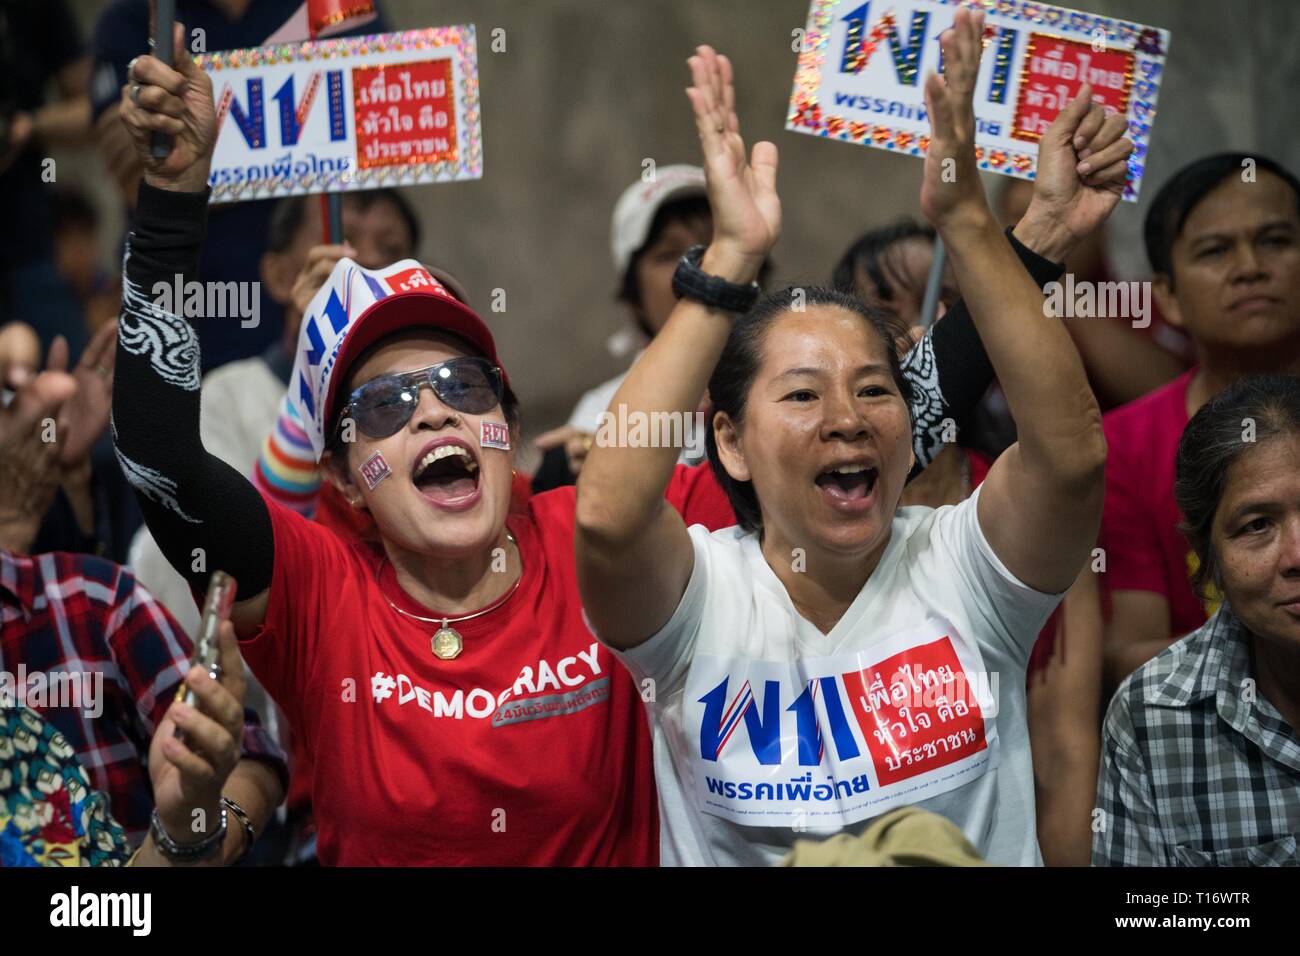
[{"x": 1201, "y": 758}]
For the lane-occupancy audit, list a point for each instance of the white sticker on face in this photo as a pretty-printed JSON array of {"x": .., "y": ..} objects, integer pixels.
[
  {"x": 494, "y": 435},
  {"x": 374, "y": 470}
]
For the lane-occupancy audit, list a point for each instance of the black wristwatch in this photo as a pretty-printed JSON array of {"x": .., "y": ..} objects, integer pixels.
[{"x": 690, "y": 282}]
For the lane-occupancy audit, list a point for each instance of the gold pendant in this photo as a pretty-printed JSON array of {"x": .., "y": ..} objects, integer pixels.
[{"x": 447, "y": 644}]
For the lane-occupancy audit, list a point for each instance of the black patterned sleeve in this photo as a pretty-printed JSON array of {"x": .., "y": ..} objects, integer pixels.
[
  {"x": 949, "y": 370},
  {"x": 203, "y": 513}
]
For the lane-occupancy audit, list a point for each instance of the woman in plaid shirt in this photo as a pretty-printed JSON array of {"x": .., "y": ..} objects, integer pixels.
[{"x": 1201, "y": 757}]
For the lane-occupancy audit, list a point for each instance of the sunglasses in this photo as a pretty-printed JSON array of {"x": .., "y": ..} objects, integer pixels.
[{"x": 384, "y": 405}]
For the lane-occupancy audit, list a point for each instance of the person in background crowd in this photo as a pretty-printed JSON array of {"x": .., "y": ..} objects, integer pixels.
[
  {"x": 76, "y": 254},
  {"x": 54, "y": 493},
  {"x": 122, "y": 33},
  {"x": 40, "y": 45},
  {"x": 809, "y": 435},
  {"x": 51, "y": 814},
  {"x": 653, "y": 225},
  {"x": 1223, "y": 237},
  {"x": 888, "y": 268},
  {"x": 83, "y": 614},
  {"x": 1202, "y": 752}
]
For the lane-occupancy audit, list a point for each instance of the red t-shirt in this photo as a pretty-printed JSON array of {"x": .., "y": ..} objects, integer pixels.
[
  {"x": 530, "y": 748},
  {"x": 698, "y": 497},
  {"x": 1139, "y": 524}
]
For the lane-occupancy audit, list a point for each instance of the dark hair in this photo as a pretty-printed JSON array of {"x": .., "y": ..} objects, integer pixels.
[
  {"x": 867, "y": 254},
  {"x": 688, "y": 209},
  {"x": 70, "y": 209},
  {"x": 733, "y": 376},
  {"x": 366, "y": 198},
  {"x": 1213, "y": 441},
  {"x": 290, "y": 213},
  {"x": 1184, "y": 191},
  {"x": 286, "y": 221}
]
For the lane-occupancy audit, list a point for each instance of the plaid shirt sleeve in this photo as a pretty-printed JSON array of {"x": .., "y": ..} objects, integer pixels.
[
  {"x": 1129, "y": 829},
  {"x": 152, "y": 653}
]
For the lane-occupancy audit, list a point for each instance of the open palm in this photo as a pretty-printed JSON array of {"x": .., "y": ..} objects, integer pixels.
[
  {"x": 951, "y": 179},
  {"x": 746, "y": 207}
]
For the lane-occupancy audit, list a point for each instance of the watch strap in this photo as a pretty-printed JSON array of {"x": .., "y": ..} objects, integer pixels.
[{"x": 692, "y": 282}]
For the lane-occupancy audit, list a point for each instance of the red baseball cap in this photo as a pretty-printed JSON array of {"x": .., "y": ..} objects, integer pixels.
[{"x": 356, "y": 308}]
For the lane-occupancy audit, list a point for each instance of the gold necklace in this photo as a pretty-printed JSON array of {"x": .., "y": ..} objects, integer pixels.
[{"x": 447, "y": 642}]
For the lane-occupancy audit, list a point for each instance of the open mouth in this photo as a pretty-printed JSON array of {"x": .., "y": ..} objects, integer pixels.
[
  {"x": 848, "y": 482},
  {"x": 446, "y": 474}
]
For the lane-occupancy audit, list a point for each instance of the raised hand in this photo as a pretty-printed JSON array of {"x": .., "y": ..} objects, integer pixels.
[
  {"x": 189, "y": 775},
  {"x": 158, "y": 98},
  {"x": 1082, "y": 167},
  {"x": 951, "y": 189},
  {"x": 86, "y": 413},
  {"x": 29, "y": 465},
  {"x": 315, "y": 272},
  {"x": 746, "y": 207}
]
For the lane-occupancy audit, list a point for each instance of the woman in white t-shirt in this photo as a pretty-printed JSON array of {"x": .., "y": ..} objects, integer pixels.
[{"x": 836, "y": 655}]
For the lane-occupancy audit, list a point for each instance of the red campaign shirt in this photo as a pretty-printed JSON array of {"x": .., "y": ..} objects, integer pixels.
[
  {"x": 1139, "y": 523},
  {"x": 698, "y": 497},
  {"x": 530, "y": 748}
]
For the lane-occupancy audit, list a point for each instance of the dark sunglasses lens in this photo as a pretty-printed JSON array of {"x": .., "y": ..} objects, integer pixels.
[
  {"x": 384, "y": 409},
  {"x": 469, "y": 386}
]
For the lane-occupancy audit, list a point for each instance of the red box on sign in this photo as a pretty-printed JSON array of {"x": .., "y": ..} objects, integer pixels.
[
  {"x": 409, "y": 279},
  {"x": 1055, "y": 69},
  {"x": 918, "y": 711},
  {"x": 405, "y": 113}
]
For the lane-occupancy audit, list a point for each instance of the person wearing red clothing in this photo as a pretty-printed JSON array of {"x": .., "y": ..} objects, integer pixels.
[
  {"x": 454, "y": 704},
  {"x": 1223, "y": 237}
]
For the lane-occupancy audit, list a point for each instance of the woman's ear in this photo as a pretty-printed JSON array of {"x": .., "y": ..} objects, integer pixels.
[
  {"x": 335, "y": 470},
  {"x": 1166, "y": 301},
  {"x": 730, "y": 451}
]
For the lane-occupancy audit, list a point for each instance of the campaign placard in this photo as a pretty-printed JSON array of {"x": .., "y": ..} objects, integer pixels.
[
  {"x": 862, "y": 68},
  {"x": 393, "y": 109},
  {"x": 830, "y": 741}
]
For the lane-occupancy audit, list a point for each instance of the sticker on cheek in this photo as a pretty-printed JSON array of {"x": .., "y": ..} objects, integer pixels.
[
  {"x": 494, "y": 435},
  {"x": 374, "y": 469}
]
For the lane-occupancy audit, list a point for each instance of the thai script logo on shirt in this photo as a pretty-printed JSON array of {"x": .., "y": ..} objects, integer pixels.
[{"x": 843, "y": 737}]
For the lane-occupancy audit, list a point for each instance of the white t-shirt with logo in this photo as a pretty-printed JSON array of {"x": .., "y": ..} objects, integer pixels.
[{"x": 767, "y": 730}]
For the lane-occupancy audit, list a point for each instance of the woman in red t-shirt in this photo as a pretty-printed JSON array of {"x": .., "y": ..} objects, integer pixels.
[{"x": 494, "y": 730}]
